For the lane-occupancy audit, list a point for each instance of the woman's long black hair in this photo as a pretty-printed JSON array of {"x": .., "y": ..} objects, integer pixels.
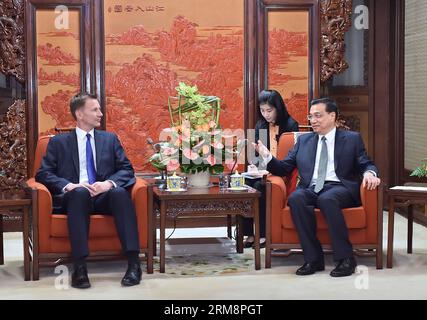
[{"x": 274, "y": 99}]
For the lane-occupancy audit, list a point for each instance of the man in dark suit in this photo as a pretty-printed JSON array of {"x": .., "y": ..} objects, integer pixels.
[
  {"x": 330, "y": 163},
  {"x": 87, "y": 171}
]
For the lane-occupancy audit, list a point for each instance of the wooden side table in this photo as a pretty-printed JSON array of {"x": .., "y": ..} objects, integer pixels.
[
  {"x": 202, "y": 202},
  {"x": 154, "y": 182},
  {"x": 22, "y": 202},
  {"x": 402, "y": 198}
]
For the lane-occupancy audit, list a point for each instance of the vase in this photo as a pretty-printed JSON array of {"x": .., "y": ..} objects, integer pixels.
[
  {"x": 199, "y": 179},
  {"x": 162, "y": 179}
]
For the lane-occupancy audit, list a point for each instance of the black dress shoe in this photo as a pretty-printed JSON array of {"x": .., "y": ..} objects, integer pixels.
[
  {"x": 261, "y": 243},
  {"x": 310, "y": 268},
  {"x": 344, "y": 268},
  {"x": 79, "y": 278},
  {"x": 132, "y": 276},
  {"x": 248, "y": 243}
]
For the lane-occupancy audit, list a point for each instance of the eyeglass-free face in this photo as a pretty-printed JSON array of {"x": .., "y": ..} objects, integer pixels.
[
  {"x": 89, "y": 116},
  {"x": 268, "y": 112}
]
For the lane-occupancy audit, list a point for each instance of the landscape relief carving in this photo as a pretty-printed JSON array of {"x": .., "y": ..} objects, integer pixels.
[
  {"x": 150, "y": 46},
  {"x": 58, "y": 74},
  {"x": 288, "y": 59}
]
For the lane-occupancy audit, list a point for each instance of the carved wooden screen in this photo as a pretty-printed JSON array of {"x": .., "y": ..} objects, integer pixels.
[
  {"x": 288, "y": 56},
  {"x": 141, "y": 49},
  {"x": 58, "y": 64},
  {"x": 152, "y": 45},
  {"x": 13, "y": 153}
]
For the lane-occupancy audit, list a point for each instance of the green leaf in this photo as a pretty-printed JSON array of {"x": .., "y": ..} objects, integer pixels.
[{"x": 421, "y": 171}]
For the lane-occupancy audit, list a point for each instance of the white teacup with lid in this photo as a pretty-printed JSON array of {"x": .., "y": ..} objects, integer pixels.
[
  {"x": 237, "y": 180},
  {"x": 174, "y": 182}
]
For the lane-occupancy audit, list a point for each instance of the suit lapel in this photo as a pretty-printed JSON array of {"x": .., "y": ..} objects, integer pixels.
[
  {"x": 339, "y": 144},
  {"x": 75, "y": 152},
  {"x": 99, "y": 144}
]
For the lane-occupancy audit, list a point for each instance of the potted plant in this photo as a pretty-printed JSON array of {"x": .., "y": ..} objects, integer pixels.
[
  {"x": 421, "y": 171},
  {"x": 195, "y": 143}
]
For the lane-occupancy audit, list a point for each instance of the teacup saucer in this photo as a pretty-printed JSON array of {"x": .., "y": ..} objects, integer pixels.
[{"x": 237, "y": 188}]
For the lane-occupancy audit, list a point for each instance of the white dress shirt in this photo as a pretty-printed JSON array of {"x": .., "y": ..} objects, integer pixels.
[
  {"x": 330, "y": 168},
  {"x": 81, "y": 144}
]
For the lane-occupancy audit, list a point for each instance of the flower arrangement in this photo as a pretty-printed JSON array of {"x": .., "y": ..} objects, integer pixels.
[
  {"x": 421, "y": 171},
  {"x": 195, "y": 142}
]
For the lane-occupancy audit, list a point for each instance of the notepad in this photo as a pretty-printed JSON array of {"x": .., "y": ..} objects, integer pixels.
[{"x": 409, "y": 188}]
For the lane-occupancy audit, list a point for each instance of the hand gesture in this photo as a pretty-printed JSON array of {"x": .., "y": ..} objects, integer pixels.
[
  {"x": 370, "y": 181},
  {"x": 94, "y": 189},
  {"x": 100, "y": 187},
  {"x": 261, "y": 149}
]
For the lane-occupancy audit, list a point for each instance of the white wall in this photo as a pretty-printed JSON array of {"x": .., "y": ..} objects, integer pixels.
[{"x": 415, "y": 82}]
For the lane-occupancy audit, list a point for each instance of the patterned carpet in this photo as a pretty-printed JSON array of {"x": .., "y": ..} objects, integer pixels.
[
  {"x": 211, "y": 269},
  {"x": 207, "y": 265}
]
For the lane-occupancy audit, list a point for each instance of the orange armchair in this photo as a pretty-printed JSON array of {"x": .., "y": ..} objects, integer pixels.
[
  {"x": 364, "y": 222},
  {"x": 50, "y": 242}
]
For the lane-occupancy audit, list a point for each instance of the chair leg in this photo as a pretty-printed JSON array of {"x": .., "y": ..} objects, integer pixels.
[
  {"x": 379, "y": 257},
  {"x": 35, "y": 267},
  {"x": 267, "y": 257},
  {"x": 149, "y": 257},
  {"x": 229, "y": 224},
  {"x": 410, "y": 228},
  {"x": 239, "y": 234},
  {"x": 154, "y": 242}
]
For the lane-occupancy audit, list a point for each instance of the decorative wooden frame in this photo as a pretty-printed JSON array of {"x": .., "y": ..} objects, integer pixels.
[
  {"x": 380, "y": 74},
  {"x": 263, "y": 7},
  {"x": 92, "y": 53},
  {"x": 87, "y": 57},
  {"x": 251, "y": 63}
]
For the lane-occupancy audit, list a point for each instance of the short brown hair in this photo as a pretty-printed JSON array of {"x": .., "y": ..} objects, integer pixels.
[{"x": 79, "y": 101}]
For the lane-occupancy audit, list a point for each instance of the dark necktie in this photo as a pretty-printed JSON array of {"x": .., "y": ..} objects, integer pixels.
[
  {"x": 90, "y": 164},
  {"x": 323, "y": 164}
]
